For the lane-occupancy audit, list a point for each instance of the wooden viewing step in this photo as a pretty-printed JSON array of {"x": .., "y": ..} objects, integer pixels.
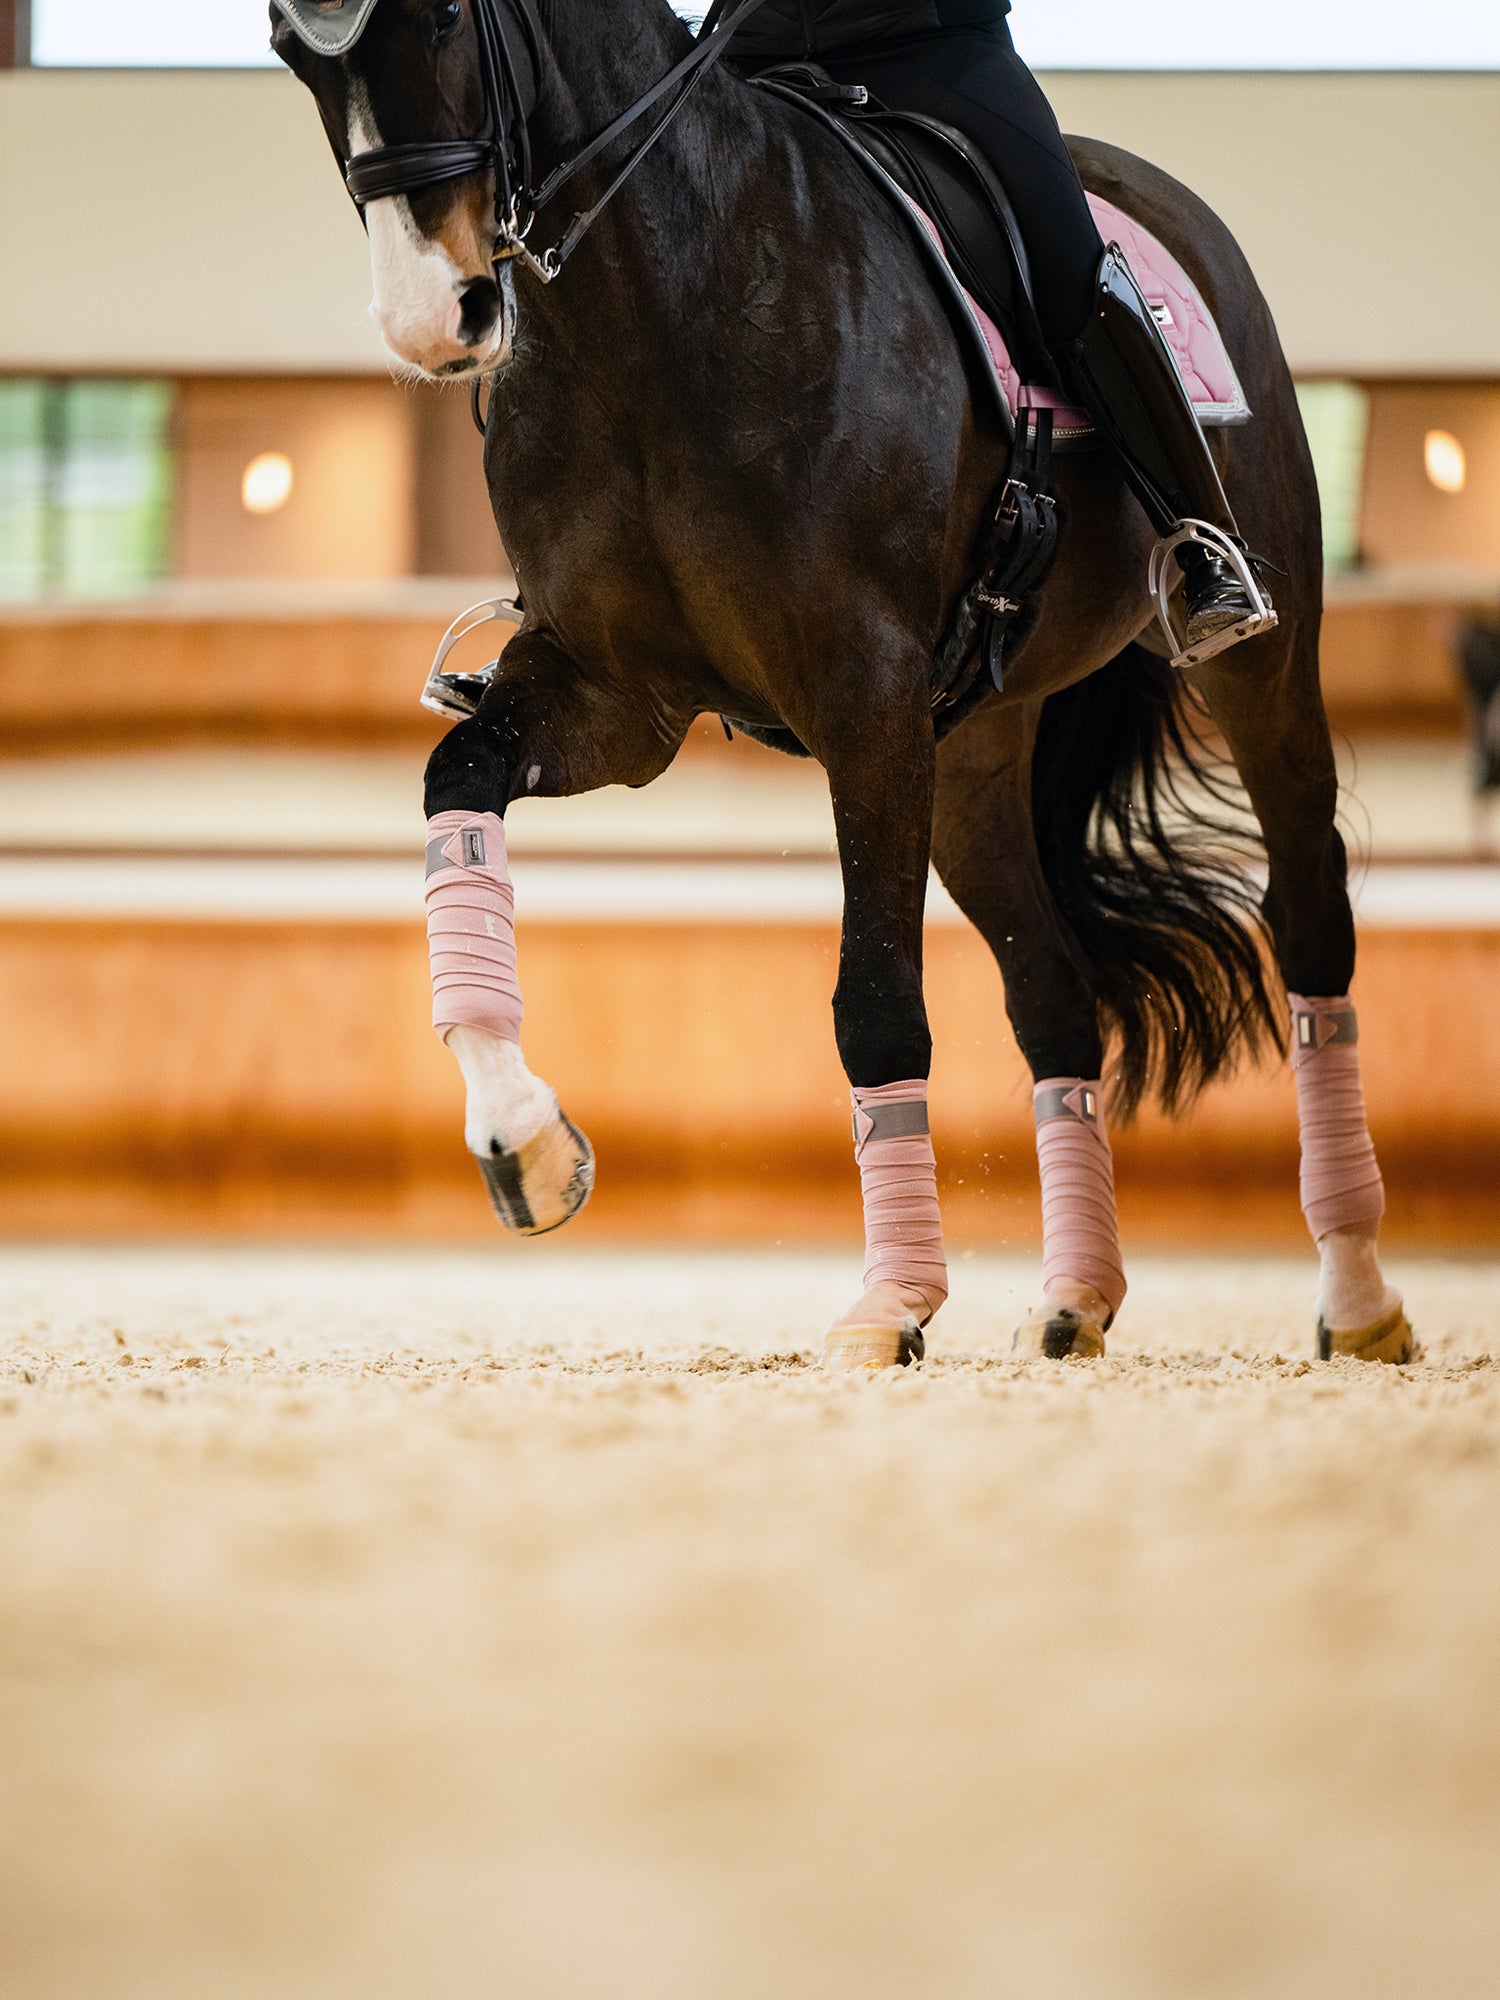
[{"x": 341, "y": 666}]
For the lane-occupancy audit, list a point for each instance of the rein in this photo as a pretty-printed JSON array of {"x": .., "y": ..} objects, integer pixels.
[{"x": 506, "y": 147}]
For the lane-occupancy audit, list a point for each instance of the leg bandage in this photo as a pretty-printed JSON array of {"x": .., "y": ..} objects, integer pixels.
[
  {"x": 1341, "y": 1184},
  {"x": 898, "y": 1176},
  {"x": 471, "y": 938},
  {"x": 1080, "y": 1232}
]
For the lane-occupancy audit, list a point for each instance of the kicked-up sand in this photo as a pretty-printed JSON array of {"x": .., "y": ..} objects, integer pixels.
[{"x": 544, "y": 1626}]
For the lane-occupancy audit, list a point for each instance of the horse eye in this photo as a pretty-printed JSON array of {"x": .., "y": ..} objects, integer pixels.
[{"x": 443, "y": 19}]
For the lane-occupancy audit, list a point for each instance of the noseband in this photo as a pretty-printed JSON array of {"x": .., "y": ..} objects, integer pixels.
[{"x": 504, "y": 148}]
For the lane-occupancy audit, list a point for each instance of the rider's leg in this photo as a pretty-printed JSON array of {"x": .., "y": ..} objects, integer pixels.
[
  {"x": 1110, "y": 352},
  {"x": 1122, "y": 370},
  {"x": 972, "y": 79}
]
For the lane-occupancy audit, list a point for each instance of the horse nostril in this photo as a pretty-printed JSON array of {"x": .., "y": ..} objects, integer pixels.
[{"x": 478, "y": 310}]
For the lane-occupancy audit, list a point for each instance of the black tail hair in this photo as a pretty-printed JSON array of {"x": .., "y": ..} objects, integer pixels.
[{"x": 1145, "y": 845}]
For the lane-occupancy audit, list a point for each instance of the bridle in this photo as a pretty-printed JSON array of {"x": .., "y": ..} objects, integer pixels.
[{"x": 504, "y": 148}]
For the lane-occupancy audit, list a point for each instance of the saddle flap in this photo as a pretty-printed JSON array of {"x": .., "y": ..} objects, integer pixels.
[{"x": 958, "y": 190}]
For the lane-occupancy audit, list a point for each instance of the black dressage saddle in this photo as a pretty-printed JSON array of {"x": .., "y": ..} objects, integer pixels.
[
  {"x": 960, "y": 193},
  {"x": 955, "y": 187}
]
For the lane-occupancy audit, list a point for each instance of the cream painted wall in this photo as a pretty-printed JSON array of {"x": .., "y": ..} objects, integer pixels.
[
  {"x": 1364, "y": 203},
  {"x": 195, "y": 222},
  {"x": 175, "y": 222}
]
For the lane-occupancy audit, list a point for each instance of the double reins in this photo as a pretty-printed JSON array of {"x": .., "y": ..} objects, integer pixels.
[{"x": 506, "y": 148}]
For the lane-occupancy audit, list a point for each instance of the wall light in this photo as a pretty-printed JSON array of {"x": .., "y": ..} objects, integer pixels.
[
  {"x": 267, "y": 483},
  {"x": 1443, "y": 456}
]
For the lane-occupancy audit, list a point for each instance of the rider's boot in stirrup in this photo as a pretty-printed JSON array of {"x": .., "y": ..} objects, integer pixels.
[{"x": 1122, "y": 370}]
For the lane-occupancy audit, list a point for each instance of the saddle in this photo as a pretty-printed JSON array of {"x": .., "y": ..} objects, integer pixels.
[
  {"x": 979, "y": 254},
  {"x": 964, "y": 224},
  {"x": 952, "y": 186},
  {"x": 962, "y": 221}
]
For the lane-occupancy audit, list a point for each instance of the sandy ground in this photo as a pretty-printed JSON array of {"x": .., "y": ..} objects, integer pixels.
[{"x": 544, "y": 1626}]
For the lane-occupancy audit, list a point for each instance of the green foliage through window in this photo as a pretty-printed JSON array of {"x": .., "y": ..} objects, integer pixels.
[
  {"x": 85, "y": 486},
  {"x": 1337, "y": 418}
]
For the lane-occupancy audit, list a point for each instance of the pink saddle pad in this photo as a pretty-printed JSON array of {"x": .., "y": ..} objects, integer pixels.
[{"x": 1196, "y": 343}]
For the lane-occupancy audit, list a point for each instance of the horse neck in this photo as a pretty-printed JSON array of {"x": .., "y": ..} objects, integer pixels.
[{"x": 604, "y": 54}]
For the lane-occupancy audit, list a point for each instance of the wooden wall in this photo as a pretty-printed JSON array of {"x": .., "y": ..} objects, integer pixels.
[
  {"x": 273, "y": 666},
  {"x": 1403, "y": 516},
  {"x": 168, "y": 1077},
  {"x": 352, "y": 506}
]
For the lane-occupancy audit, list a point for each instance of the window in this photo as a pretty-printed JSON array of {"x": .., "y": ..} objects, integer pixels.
[
  {"x": 1337, "y": 419},
  {"x": 142, "y": 34},
  {"x": 85, "y": 484},
  {"x": 1273, "y": 34},
  {"x": 1052, "y": 34}
]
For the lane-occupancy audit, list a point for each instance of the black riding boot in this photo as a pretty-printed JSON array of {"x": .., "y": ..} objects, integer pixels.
[{"x": 1121, "y": 369}]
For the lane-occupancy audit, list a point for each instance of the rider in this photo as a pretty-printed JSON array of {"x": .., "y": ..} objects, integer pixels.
[{"x": 954, "y": 60}]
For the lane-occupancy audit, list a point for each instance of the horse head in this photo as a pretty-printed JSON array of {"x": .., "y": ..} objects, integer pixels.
[{"x": 419, "y": 102}]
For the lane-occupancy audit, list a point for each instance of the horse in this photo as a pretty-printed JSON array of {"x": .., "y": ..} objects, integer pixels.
[{"x": 743, "y": 467}]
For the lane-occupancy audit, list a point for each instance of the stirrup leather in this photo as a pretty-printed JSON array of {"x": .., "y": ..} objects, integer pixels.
[
  {"x": 457, "y": 696},
  {"x": 1164, "y": 574}
]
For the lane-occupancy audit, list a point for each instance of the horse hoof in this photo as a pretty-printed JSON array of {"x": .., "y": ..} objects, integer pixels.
[
  {"x": 1057, "y": 1333},
  {"x": 1390, "y": 1340},
  {"x": 541, "y": 1184},
  {"x": 870, "y": 1347}
]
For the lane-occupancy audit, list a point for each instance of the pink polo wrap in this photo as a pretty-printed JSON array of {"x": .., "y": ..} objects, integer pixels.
[
  {"x": 1080, "y": 1230},
  {"x": 898, "y": 1177},
  {"x": 471, "y": 936},
  {"x": 1341, "y": 1184}
]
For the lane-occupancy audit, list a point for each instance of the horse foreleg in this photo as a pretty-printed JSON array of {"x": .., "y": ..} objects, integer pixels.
[
  {"x": 986, "y": 853},
  {"x": 1271, "y": 714},
  {"x": 881, "y": 787},
  {"x": 540, "y": 729}
]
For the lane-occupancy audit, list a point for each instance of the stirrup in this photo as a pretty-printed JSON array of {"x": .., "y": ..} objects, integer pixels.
[
  {"x": 1165, "y": 573},
  {"x": 457, "y": 696}
]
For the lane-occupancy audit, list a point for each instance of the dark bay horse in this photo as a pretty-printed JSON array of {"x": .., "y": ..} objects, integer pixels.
[{"x": 741, "y": 465}]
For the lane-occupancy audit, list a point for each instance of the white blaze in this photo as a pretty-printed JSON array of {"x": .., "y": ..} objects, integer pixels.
[
  {"x": 416, "y": 282},
  {"x": 417, "y": 302}
]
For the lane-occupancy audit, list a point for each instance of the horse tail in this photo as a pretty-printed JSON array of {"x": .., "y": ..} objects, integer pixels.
[{"x": 1151, "y": 857}]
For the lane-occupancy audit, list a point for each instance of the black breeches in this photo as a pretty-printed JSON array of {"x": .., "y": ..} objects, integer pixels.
[{"x": 973, "y": 79}]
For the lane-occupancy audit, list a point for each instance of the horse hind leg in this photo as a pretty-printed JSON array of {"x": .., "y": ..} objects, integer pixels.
[
  {"x": 1266, "y": 701},
  {"x": 986, "y": 853}
]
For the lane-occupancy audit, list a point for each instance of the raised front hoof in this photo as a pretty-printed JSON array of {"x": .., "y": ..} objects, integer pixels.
[
  {"x": 1390, "y": 1340},
  {"x": 543, "y": 1183},
  {"x": 1058, "y": 1333},
  {"x": 846, "y": 1348}
]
